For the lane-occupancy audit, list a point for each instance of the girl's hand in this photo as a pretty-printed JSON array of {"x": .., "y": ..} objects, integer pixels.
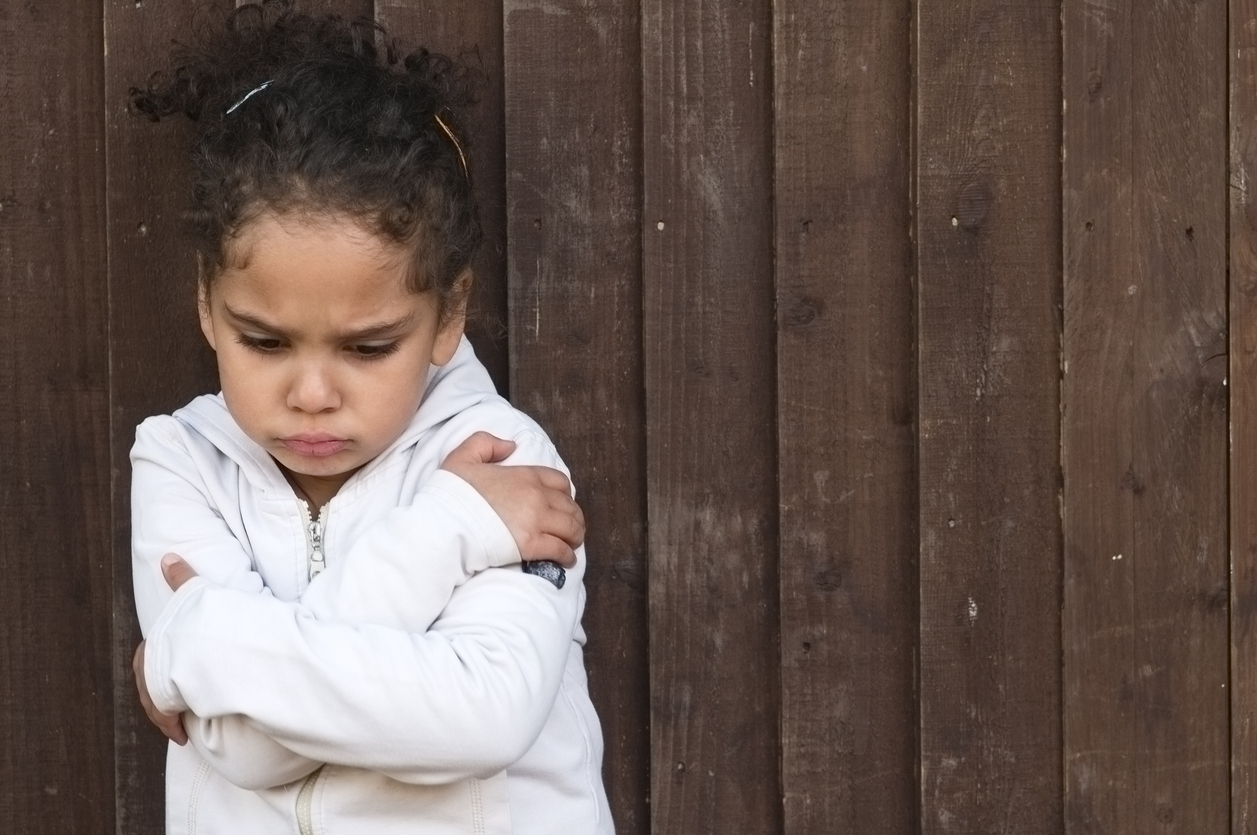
[
  {"x": 170, "y": 724},
  {"x": 535, "y": 502},
  {"x": 177, "y": 572}
]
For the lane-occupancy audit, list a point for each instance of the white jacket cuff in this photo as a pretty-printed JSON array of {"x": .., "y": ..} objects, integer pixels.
[
  {"x": 159, "y": 652},
  {"x": 496, "y": 542}
]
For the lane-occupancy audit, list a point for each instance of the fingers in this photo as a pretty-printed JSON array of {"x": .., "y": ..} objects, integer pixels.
[
  {"x": 176, "y": 571},
  {"x": 170, "y": 724},
  {"x": 479, "y": 448},
  {"x": 553, "y": 479},
  {"x": 552, "y": 549},
  {"x": 566, "y": 521},
  {"x": 554, "y": 535},
  {"x": 546, "y": 477}
]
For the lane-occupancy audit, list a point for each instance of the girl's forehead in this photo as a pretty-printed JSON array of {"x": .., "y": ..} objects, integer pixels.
[
  {"x": 331, "y": 231},
  {"x": 283, "y": 262}
]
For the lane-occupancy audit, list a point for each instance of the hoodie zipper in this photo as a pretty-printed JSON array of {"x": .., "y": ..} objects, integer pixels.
[
  {"x": 315, "y": 528},
  {"x": 305, "y": 803},
  {"x": 315, "y": 563}
]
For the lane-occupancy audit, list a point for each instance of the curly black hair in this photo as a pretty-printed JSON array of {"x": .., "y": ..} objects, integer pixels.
[{"x": 318, "y": 115}]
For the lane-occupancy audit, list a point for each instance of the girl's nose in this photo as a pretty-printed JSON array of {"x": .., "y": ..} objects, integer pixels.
[{"x": 313, "y": 389}]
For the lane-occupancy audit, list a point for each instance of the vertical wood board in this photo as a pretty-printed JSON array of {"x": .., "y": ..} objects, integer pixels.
[
  {"x": 573, "y": 126},
  {"x": 348, "y": 9},
  {"x": 1144, "y": 430},
  {"x": 1242, "y": 377},
  {"x": 55, "y": 692},
  {"x": 988, "y": 217},
  {"x": 157, "y": 357},
  {"x": 1098, "y": 438},
  {"x": 711, "y": 463},
  {"x": 845, "y": 416},
  {"x": 471, "y": 33}
]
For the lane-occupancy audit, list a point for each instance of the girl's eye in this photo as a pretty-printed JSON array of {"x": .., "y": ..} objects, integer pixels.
[
  {"x": 261, "y": 344},
  {"x": 373, "y": 352}
]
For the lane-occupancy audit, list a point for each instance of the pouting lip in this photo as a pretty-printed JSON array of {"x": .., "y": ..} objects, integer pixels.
[
  {"x": 312, "y": 437},
  {"x": 317, "y": 444}
]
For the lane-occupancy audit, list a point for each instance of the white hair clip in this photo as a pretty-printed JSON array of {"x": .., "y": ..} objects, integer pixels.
[{"x": 248, "y": 96}]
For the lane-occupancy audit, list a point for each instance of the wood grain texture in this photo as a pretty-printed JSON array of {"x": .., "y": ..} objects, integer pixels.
[
  {"x": 988, "y": 218},
  {"x": 471, "y": 31},
  {"x": 349, "y": 9},
  {"x": 158, "y": 359},
  {"x": 845, "y": 416},
  {"x": 345, "y": 8},
  {"x": 1145, "y": 422},
  {"x": 1242, "y": 377},
  {"x": 573, "y": 129},
  {"x": 711, "y": 417},
  {"x": 56, "y": 734}
]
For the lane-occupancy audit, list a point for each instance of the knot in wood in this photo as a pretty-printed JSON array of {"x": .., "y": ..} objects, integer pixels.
[
  {"x": 973, "y": 204},
  {"x": 802, "y": 311},
  {"x": 1095, "y": 83}
]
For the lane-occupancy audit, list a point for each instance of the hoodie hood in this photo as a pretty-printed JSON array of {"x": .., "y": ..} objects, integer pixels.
[{"x": 458, "y": 385}]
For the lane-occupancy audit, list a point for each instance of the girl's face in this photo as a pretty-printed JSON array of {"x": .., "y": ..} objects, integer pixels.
[{"x": 323, "y": 353}]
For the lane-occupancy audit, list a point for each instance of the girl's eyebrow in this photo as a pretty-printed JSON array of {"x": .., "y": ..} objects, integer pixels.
[
  {"x": 249, "y": 320},
  {"x": 379, "y": 329},
  {"x": 375, "y": 331}
]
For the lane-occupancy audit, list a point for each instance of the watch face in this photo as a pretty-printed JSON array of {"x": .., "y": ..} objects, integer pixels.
[{"x": 547, "y": 570}]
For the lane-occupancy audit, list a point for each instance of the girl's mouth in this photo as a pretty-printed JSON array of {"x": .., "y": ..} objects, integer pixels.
[{"x": 316, "y": 445}]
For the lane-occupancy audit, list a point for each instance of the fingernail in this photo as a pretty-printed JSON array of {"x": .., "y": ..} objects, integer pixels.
[{"x": 169, "y": 560}]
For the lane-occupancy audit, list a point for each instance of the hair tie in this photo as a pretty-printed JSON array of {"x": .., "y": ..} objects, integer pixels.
[
  {"x": 462, "y": 159},
  {"x": 248, "y": 96}
]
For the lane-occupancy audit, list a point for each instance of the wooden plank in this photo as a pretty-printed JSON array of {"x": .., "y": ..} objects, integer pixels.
[
  {"x": 1243, "y": 413},
  {"x": 574, "y": 203},
  {"x": 158, "y": 360},
  {"x": 55, "y": 727},
  {"x": 845, "y": 416},
  {"x": 345, "y": 8},
  {"x": 1145, "y": 424},
  {"x": 349, "y": 9},
  {"x": 471, "y": 31},
  {"x": 711, "y": 442},
  {"x": 988, "y": 185}
]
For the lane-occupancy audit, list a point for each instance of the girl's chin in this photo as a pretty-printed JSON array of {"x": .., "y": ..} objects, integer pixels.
[{"x": 310, "y": 466}]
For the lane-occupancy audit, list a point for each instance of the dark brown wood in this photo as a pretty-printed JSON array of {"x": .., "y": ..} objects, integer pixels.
[
  {"x": 988, "y": 218},
  {"x": 1145, "y": 423},
  {"x": 345, "y": 8},
  {"x": 56, "y": 733},
  {"x": 845, "y": 416},
  {"x": 471, "y": 31},
  {"x": 158, "y": 360},
  {"x": 711, "y": 417},
  {"x": 712, "y": 312},
  {"x": 573, "y": 129},
  {"x": 1242, "y": 377}
]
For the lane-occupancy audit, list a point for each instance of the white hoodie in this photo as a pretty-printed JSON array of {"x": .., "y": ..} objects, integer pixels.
[{"x": 422, "y": 683}]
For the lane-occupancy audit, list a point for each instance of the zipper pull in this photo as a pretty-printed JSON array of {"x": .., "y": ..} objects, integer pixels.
[{"x": 316, "y": 550}]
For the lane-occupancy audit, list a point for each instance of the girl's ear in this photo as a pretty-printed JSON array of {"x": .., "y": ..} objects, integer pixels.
[
  {"x": 203, "y": 308},
  {"x": 453, "y": 320}
]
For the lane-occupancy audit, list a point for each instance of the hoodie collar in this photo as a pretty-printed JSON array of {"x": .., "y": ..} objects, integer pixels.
[{"x": 458, "y": 385}]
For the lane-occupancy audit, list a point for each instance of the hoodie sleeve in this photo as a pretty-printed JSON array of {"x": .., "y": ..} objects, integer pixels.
[
  {"x": 464, "y": 697},
  {"x": 174, "y": 509}
]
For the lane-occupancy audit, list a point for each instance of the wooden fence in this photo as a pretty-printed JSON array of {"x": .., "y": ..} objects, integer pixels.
[{"x": 905, "y": 354}]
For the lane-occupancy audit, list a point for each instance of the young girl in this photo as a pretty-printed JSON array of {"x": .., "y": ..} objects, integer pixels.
[{"x": 335, "y": 620}]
